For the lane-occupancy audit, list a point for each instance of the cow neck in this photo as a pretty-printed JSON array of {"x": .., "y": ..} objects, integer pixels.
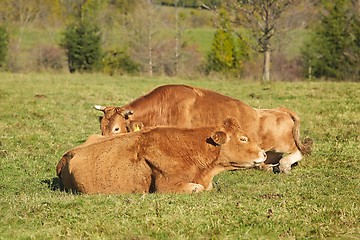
[{"x": 148, "y": 116}]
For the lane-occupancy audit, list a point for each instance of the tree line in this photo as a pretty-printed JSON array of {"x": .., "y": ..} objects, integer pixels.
[{"x": 150, "y": 42}]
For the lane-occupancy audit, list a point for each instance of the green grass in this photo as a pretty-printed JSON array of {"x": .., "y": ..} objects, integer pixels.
[
  {"x": 44, "y": 115},
  {"x": 202, "y": 37}
]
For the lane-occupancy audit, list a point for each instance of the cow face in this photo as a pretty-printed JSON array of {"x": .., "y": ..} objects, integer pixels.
[
  {"x": 116, "y": 120},
  {"x": 237, "y": 150}
]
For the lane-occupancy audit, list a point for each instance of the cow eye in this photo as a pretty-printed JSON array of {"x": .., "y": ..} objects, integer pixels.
[
  {"x": 116, "y": 129},
  {"x": 243, "y": 139}
]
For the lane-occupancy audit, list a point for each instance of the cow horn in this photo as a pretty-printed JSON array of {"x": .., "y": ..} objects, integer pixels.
[
  {"x": 99, "y": 108},
  {"x": 128, "y": 112}
]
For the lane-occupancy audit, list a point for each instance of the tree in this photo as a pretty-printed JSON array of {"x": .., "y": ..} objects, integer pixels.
[
  {"x": 141, "y": 28},
  {"x": 150, "y": 33},
  {"x": 23, "y": 11},
  {"x": 82, "y": 45},
  {"x": 3, "y": 45},
  {"x": 334, "y": 49},
  {"x": 118, "y": 62},
  {"x": 262, "y": 19},
  {"x": 177, "y": 37},
  {"x": 222, "y": 57},
  {"x": 124, "y": 6},
  {"x": 90, "y": 9},
  {"x": 148, "y": 45}
]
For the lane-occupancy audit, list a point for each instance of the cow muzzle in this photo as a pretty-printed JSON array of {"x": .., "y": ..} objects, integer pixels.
[{"x": 261, "y": 159}]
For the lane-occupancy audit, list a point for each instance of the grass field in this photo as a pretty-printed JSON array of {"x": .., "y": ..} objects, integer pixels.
[{"x": 44, "y": 115}]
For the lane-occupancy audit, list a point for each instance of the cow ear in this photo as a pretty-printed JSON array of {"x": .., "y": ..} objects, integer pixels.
[
  {"x": 219, "y": 137},
  {"x": 125, "y": 113},
  {"x": 134, "y": 126},
  {"x": 231, "y": 123}
]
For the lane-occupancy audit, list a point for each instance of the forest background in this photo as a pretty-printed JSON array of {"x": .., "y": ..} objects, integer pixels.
[{"x": 314, "y": 38}]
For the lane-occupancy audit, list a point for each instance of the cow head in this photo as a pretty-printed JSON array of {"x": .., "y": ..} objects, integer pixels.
[
  {"x": 237, "y": 150},
  {"x": 116, "y": 120}
]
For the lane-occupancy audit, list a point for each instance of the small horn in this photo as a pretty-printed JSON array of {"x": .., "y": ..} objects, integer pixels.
[
  {"x": 125, "y": 113},
  {"x": 128, "y": 112},
  {"x": 99, "y": 108}
]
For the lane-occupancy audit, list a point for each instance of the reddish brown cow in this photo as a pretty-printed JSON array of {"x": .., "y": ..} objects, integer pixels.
[
  {"x": 274, "y": 130},
  {"x": 162, "y": 159}
]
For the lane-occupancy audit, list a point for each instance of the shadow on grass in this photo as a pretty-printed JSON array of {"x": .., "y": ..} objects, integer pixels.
[{"x": 54, "y": 184}]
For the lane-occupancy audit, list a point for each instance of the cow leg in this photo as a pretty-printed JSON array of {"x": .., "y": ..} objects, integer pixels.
[
  {"x": 191, "y": 187},
  {"x": 286, "y": 162},
  {"x": 181, "y": 188}
]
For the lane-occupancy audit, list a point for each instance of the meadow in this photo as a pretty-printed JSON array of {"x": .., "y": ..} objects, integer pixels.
[{"x": 44, "y": 115}]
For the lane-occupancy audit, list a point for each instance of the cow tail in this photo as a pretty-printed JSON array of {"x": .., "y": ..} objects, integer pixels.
[
  {"x": 63, "y": 161},
  {"x": 304, "y": 146}
]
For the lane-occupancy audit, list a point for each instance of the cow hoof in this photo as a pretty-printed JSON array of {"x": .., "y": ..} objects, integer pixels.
[
  {"x": 265, "y": 167},
  {"x": 276, "y": 169},
  {"x": 285, "y": 168},
  {"x": 196, "y": 188},
  {"x": 269, "y": 167}
]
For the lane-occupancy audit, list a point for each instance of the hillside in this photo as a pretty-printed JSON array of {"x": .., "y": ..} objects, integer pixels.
[{"x": 34, "y": 45}]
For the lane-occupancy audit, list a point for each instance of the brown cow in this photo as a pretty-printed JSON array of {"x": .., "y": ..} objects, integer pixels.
[
  {"x": 274, "y": 130},
  {"x": 162, "y": 159}
]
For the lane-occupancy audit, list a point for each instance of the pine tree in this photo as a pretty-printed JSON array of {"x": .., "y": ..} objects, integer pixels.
[
  {"x": 82, "y": 45},
  {"x": 334, "y": 49},
  {"x": 223, "y": 56}
]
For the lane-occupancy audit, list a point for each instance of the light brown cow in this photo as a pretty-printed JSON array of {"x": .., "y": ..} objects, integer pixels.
[
  {"x": 162, "y": 159},
  {"x": 274, "y": 130},
  {"x": 132, "y": 126}
]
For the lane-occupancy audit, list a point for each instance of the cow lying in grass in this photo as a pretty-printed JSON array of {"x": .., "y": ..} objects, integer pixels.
[
  {"x": 162, "y": 159},
  {"x": 277, "y": 130}
]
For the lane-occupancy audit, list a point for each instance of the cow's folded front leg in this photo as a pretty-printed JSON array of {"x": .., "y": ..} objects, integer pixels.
[
  {"x": 267, "y": 167},
  {"x": 286, "y": 162},
  {"x": 181, "y": 187},
  {"x": 196, "y": 187},
  {"x": 271, "y": 163},
  {"x": 189, "y": 188}
]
